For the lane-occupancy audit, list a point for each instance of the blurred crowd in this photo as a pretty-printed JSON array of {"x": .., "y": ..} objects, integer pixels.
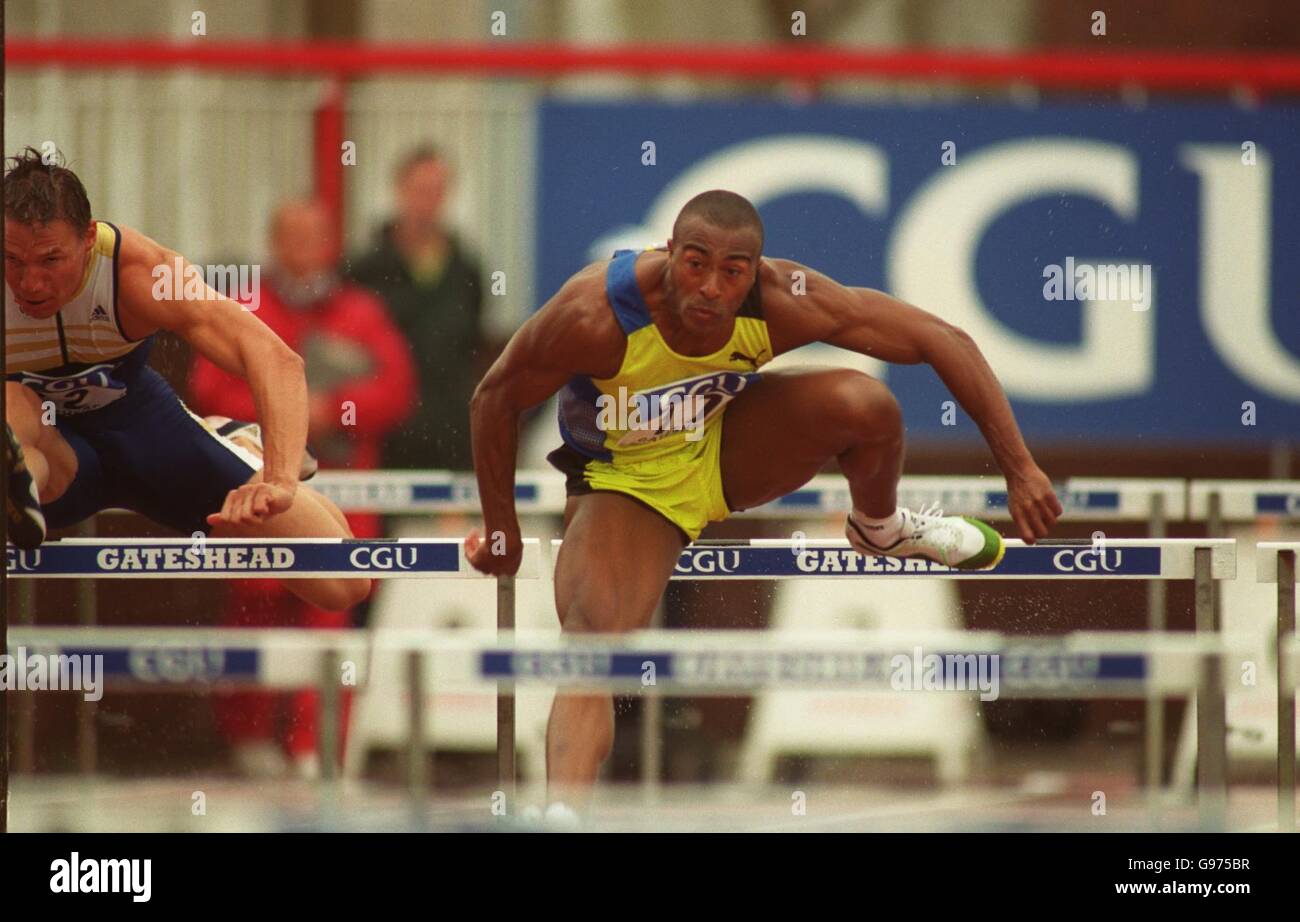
[{"x": 393, "y": 341}]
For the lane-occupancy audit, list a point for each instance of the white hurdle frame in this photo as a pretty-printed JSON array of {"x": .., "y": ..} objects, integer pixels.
[
  {"x": 1155, "y": 501},
  {"x": 187, "y": 558}
]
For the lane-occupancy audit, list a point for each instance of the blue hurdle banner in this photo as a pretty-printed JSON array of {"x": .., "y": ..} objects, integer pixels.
[
  {"x": 1130, "y": 558},
  {"x": 1109, "y": 664},
  {"x": 418, "y": 558},
  {"x": 1103, "y": 665},
  {"x": 1246, "y": 500},
  {"x": 162, "y": 659},
  {"x": 299, "y": 558},
  {"x": 1043, "y": 673},
  {"x": 433, "y": 491}
]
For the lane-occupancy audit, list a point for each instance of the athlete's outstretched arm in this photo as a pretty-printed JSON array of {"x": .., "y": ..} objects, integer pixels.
[
  {"x": 574, "y": 333},
  {"x": 237, "y": 342},
  {"x": 878, "y": 325}
]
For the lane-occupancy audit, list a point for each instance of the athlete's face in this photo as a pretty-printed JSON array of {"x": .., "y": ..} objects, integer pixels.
[
  {"x": 45, "y": 263},
  {"x": 710, "y": 270}
]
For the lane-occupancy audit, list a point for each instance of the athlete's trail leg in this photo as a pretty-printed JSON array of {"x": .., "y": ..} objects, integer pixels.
[
  {"x": 610, "y": 574},
  {"x": 49, "y": 458},
  {"x": 310, "y": 516}
]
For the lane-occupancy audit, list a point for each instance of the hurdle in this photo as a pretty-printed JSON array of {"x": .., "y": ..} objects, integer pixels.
[
  {"x": 1155, "y": 501},
  {"x": 296, "y": 558},
  {"x": 1151, "y": 500},
  {"x": 1204, "y": 561},
  {"x": 1078, "y": 665},
  {"x": 1217, "y": 502}
]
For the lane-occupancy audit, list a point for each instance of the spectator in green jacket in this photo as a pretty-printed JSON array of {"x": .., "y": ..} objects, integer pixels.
[{"x": 434, "y": 292}]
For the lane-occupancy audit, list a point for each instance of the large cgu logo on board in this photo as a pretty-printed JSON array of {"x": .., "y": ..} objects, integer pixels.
[
  {"x": 681, "y": 406},
  {"x": 1191, "y": 201},
  {"x": 935, "y": 236}
]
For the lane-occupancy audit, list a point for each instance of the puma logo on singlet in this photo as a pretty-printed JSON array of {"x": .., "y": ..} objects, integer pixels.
[{"x": 740, "y": 356}]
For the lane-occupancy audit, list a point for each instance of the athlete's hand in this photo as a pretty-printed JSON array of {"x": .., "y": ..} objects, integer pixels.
[
  {"x": 253, "y": 504},
  {"x": 498, "y": 555},
  {"x": 1033, "y": 504}
]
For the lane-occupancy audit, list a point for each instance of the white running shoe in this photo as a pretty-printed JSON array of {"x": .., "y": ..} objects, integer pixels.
[
  {"x": 560, "y": 817},
  {"x": 952, "y": 540}
]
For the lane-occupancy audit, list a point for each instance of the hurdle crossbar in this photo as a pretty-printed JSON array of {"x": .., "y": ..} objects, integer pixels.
[
  {"x": 421, "y": 558},
  {"x": 542, "y": 492},
  {"x": 1242, "y": 500},
  {"x": 1128, "y": 558},
  {"x": 280, "y": 558},
  {"x": 1083, "y": 664}
]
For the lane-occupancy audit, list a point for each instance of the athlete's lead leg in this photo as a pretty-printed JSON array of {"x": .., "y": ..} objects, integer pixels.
[
  {"x": 781, "y": 431},
  {"x": 778, "y": 433}
]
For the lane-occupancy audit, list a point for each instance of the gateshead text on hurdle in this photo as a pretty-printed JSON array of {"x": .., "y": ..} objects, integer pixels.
[
  {"x": 181, "y": 558},
  {"x": 847, "y": 560}
]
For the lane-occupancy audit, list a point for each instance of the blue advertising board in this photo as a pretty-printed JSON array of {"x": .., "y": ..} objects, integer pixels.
[{"x": 1130, "y": 273}]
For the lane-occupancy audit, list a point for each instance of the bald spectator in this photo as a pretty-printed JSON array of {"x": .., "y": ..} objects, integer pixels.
[
  {"x": 433, "y": 288},
  {"x": 361, "y": 383}
]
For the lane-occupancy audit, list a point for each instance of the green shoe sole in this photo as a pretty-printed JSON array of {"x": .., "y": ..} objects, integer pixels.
[{"x": 991, "y": 554}]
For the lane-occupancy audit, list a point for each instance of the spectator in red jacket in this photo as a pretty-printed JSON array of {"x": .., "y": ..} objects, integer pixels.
[{"x": 361, "y": 380}]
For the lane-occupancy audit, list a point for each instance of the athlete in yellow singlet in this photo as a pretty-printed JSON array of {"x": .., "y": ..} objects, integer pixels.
[{"x": 669, "y": 425}]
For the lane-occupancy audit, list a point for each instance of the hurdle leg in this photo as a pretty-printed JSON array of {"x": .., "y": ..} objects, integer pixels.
[
  {"x": 1155, "y": 703},
  {"x": 1211, "y": 719},
  {"x": 417, "y": 775},
  {"x": 25, "y": 717},
  {"x": 1286, "y": 573},
  {"x": 88, "y": 615},
  {"x": 329, "y": 709},
  {"x": 652, "y": 731},
  {"x": 506, "y": 696}
]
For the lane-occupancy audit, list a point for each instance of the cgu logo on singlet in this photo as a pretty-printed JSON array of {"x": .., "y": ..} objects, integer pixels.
[
  {"x": 87, "y": 390},
  {"x": 682, "y": 406}
]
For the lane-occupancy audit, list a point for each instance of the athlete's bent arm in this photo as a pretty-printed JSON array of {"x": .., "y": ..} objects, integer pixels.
[
  {"x": 559, "y": 341},
  {"x": 234, "y": 340},
  {"x": 878, "y": 325}
]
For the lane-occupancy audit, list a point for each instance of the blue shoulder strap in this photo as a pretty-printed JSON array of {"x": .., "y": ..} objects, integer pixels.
[{"x": 624, "y": 295}]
